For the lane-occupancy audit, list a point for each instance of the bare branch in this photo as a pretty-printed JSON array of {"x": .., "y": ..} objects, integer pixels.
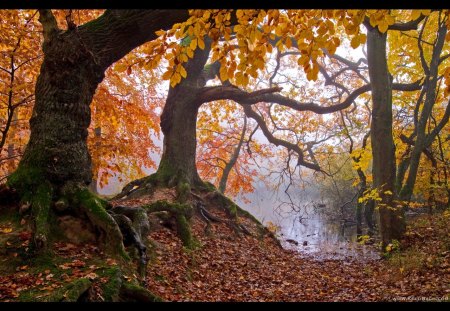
[{"x": 279, "y": 142}]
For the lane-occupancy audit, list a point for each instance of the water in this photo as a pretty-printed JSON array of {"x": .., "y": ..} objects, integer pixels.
[{"x": 317, "y": 234}]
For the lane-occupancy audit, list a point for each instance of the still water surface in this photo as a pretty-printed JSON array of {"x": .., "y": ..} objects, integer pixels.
[{"x": 310, "y": 226}]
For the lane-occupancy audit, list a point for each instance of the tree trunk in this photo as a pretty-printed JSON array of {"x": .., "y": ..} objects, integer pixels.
[
  {"x": 61, "y": 113},
  {"x": 383, "y": 148},
  {"x": 234, "y": 157},
  {"x": 424, "y": 140},
  {"x": 179, "y": 124},
  {"x": 56, "y": 165},
  {"x": 74, "y": 64}
]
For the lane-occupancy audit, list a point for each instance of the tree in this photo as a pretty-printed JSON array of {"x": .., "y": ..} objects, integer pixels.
[
  {"x": 18, "y": 72},
  {"x": 75, "y": 61},
  {"x": 56, "y": 165}
]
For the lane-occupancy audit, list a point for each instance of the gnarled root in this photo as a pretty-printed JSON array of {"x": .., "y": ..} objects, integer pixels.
[
  {"x": 40, "y": 208},
  {"x": 181, "y": 212},
  {"x": 118, "y": 288},
  {"x": 95, "y": 209},
  {"x": 131, "y": 187},
  {"x": 134, "y": 225}
]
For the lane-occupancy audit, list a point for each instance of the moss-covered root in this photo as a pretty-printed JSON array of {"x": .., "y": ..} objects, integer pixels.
[
  {"x": 184, "y": 231},
  {"x": 118, "y": 289},
  {"x": 40, "y": 208},
  {"x": 132, "y": 292},
  {"x": 183, "y": 191},
  {"x": 181, "y": 212},
  {"x": 71, "y": 292},
  {"x": 110, "y": 290},
  {"x": 97, "y": 214},
  {"x": 233, "y": 211}
]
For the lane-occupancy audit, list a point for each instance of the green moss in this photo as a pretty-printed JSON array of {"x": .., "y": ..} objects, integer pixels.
[
  {"x": 97, "y": 214},
  {"x": 165, "y": 173},
  {"x": 209, "y": 186},
  {"x": 71, "y": 292},
  {"x": 23, "y": 175},
  {"x": 111, "y": 289},
  {"x": 183, "y": 190},
  {"x": 184, "y": 231},
  {"x": 181, "y": 212},
  {"x": 40, "y": 205},
  {"x": 133, "y": 292},
  {"x": 26, "y": 180}
]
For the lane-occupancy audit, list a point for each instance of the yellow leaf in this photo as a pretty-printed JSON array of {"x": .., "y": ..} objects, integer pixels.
[
  {"x": 382, "y": 27},
  {"x": 183, "y": 72},
  {"x": 120, "y": 67},
  {"x": 355, "y": 42},
  {"x": 223, "y": 73},
  {"x": 193, "y": 44},
  {"x": 183, "y": 58},
  {"x": 362, "y": 38},
  {"x": 189, "y": 52},
  {"x": 6, "y": 230},
  {"x": 288, "y": 43},
  {"x": 201, "y": 43},
  {"x": 415, "y": 14},
  {"x": 206, "y": 15},
  {"x": 160, "y": 32},
  {"x": 167, "y": 75}
]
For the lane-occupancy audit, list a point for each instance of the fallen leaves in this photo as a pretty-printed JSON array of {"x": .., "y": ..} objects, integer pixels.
[
  {"x": 6, "y": 230},
  {"x": 231, "y": 268}
]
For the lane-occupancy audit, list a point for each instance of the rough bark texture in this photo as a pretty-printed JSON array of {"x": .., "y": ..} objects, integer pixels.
[
  {"x": 74, "y": 64},
  {"x": 383, "y": 148},
  {"x": 56, "y": 165}
]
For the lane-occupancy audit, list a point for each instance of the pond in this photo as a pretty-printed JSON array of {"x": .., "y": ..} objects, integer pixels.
[{"x": 308, "y": 227}]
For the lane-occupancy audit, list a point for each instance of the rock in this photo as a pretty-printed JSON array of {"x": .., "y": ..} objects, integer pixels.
[
  {"x": 76, "y": 230},
  {"x": 305, "y": 243},
  {"x": 292, "y": 241}
]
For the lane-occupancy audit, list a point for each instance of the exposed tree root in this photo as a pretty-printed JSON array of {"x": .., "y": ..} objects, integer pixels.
[
  {"x": 233, "y": 224},
  {"x": 40, "y": 209},
  {"x": 116, "y": 289},
  {"x": 233, "y": 211},
  {"x": 115, "y": 228},
  {"x": 138, "y": 184},
  {"x": 71, "y": 292},
  {"x": 119, "y": 288},
  {"x": 136, "y": 293},
  {"x": 134, "y": 225},
  {"x": 95, "y": 209},
  {"x": 181, "y": 213}
]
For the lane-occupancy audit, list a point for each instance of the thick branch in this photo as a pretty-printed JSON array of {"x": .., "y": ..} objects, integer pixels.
[
  {"x": 108, "y": 37},
  {"x": 425, "y": 151},
  {"x": 411, "y": 25},
  {"x": 49, "y": 24}
]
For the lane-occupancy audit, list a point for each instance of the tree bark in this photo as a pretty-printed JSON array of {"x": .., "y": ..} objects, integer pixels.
[
  {"x": 74, "y": 64},
  {"x": 179, "y": 124},
  {"x": 56, "y": 165},
  {"x": 383, "y": 149}
]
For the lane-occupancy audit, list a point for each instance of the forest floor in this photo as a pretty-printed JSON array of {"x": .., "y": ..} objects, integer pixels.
[{"x": 228, "y": 267}]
